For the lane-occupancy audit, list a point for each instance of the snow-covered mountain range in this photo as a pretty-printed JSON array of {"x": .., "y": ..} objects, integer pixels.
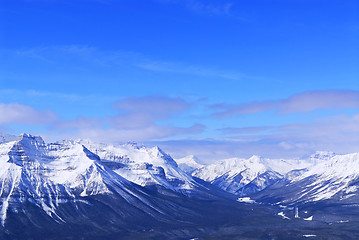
[
  {"x": 243, "y": 177},
  {"x": 43, "y": 185},
  {"x": 321, "y": 176},
  {"x": 82, "y": 166},
  {"x": 141, "y": 165},
  {"x": 238, "y": 176}
]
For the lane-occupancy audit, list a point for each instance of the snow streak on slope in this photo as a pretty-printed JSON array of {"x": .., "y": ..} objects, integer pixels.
[{"x": 10, "y": 176}]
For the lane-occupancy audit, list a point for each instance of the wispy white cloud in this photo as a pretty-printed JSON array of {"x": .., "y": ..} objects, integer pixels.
[
  {"x": 338, "y": 133},
  {"x": 22, "y": 114},
  {"x": 146, "y": 133},
  {"x": 159, "y": 105},
  {"x": 173, "y": 67},
  {"x": 78, "y": 123},
  {"x": 138, "y": 117},
  {"x": 209, "y": 8},
  {"x": 137, "y": 120},
  {"x": 150, "y": 119},
  {"x": 244, "y": 130},
  {"x": 17, "y": 95},
  {"x": 302, "y": 102},
  {"x": 100, "y": 58},
  {"x": 51, "y": 54},
  {"x": 137, "y": 112}
]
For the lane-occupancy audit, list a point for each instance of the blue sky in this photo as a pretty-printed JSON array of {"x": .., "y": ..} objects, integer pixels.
[{"x": 211, "y": 78}]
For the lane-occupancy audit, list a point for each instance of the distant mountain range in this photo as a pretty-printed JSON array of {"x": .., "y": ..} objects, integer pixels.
[
  {"x": 322, "y": 176},
  {"x": 80, "y": 189},
  {"x": 245, "y": 177}
]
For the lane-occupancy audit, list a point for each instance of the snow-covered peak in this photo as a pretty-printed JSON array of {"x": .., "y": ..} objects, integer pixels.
[
  {"x": 189, "y": 163},
  {"x": 47, "y": 174},
  {"x": 143, "y": 166},
  {"x": 158, "y": 154},
  {"x": 27, "y": 149},
  {"x": 129, "y": 153},
  {"x": 66, "y": 163},
  {"x": 187, "y": 159},
  {"x": 190, "y": 160}
]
